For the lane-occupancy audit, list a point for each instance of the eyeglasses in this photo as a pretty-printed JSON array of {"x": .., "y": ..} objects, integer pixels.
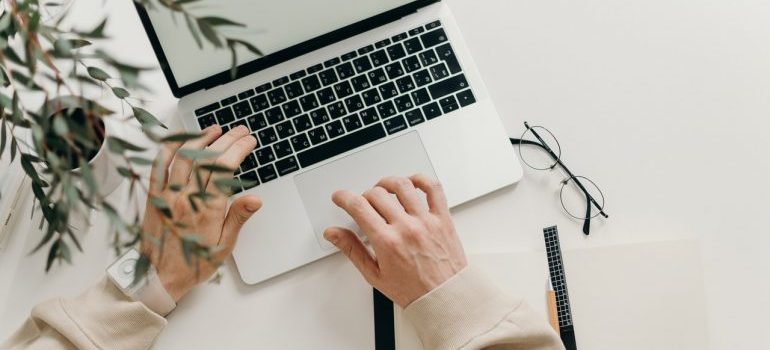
[{"x": 579, "y": 195}]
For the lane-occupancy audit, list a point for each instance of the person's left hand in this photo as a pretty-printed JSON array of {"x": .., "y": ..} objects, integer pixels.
[{"x": 213, "y": 223}]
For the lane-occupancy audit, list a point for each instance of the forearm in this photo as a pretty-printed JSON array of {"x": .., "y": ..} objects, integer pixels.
[
  {"x": 470, "y": 312},
  {"x": 100, "y": 318}
]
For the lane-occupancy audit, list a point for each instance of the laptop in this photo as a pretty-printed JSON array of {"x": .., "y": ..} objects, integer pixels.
[{"x": 347, "y": 92}]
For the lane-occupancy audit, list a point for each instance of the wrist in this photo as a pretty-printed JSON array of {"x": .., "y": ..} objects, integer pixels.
[{"x": 149, "y": 290}]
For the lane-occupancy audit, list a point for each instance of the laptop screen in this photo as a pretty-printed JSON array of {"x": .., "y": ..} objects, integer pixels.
[{"x": 269, "y": 25}]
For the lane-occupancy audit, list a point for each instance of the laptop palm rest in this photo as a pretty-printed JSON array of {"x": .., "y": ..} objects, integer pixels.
[{"x": 358, "y": 172}]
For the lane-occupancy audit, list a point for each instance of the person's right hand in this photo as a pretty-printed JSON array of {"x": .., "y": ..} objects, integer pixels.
[{"x": 416, "y": 247}]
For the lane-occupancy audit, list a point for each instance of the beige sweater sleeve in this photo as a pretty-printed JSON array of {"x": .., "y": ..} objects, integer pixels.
[
  {"x": 470, "y": 312},
  {"x": 100, "y": 318}
]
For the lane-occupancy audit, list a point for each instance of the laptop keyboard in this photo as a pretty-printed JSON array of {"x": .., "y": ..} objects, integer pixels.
[{"x": 344, "y": 103}]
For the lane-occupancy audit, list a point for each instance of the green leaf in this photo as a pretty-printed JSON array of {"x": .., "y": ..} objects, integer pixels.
[
  {"x": 66, "y": 45},
  {"x": 146, "y": 118},
  {"x": 196, "y": 154},
  {"x": 233, "y": 59},
  {"x": 118, "y": 145},
  {"x": 4, "y": 78},
  {"x": 53, "y": 252},
  {"x": 141, "y": 267},
  {"x": 227, "y": 185},
  {"x": 3, "y": 135},
  {"x": 140, "y": 161},
  {"x": 193, "y": 30},
  {"x": 88, "y": 176},
  {"x": 175, "y": 187},
  {"x": 64, "y": 252},
  {"x": 120, "y": 92},
  {"x": 214, "y": 168},
  {"x": 160, "y": 204},
  {"x": 98, "y": 73},
  {"x": 209, "y": 33},
  {"x": 219, "y": 21},
  {"x": 60, "y": 126},
  {"x": 126, "y": 172},
  {"x": 249, "y": 47},
  {"x": 97, "y": 32},
  {"x": 181, "y": 137}
]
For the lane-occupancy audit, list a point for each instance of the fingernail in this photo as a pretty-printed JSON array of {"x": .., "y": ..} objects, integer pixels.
[
  {"x": 242, "y": 128},
  {"x": 332, "y": 238},
  {"x": 252, "y": 207}
]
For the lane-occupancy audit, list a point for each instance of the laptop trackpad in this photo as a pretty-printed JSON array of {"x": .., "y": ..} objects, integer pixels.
[{"x": 402, "y": 156}]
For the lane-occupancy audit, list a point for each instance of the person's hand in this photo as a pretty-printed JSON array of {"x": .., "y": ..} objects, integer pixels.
[
  {"x": 416, "y": 247},
  {"x": 215, "y": 225}
]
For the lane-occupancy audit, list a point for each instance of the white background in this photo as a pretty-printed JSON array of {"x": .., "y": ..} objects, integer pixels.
[{"x": 663, "y": 103}]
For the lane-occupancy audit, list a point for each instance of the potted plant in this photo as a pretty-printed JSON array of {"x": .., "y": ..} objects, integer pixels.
[{"x": 59, "y": 140}]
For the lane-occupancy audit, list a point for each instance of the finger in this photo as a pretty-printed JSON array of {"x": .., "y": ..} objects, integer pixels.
[
  {"x": 404, "y": 190},
  {"x": 350, "y": 245},
  {"x": 182, "y": 166},
  {"x": 229, "y": 138},
  {"x": 362, "y": 212},
  {"x": 240, "y": 211},
  {"x": 159, "y": 171},
  {"x": 434, "y": 192},
  {"x": 385, "y": 203},
  {"x": 231, "y": 158}
]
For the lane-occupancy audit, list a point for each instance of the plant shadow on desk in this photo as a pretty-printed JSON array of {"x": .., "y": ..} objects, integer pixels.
[{"x": 44, "y": 56}]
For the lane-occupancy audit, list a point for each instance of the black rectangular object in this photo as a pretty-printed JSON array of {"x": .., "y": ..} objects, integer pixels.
[
  {"x": 207, "y": 109},
  {"x": 341, "y": 145}
]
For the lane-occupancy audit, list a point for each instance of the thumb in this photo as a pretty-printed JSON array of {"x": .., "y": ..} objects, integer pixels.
[
  {"x": 240, "y": 211},
  {"x": 350, "y": 245}
]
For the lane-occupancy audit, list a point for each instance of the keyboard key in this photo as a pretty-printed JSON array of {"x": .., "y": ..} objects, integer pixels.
[
  {"x": 420, "y": 97},
  {"x": 432, "y": 25},
  {"x": 287, "y": 166},
  {"x": 274, "y": 115},
  {"x": 448, "y": 104},
  {"x": 285, "y": 129},
  {"x": 386, "y": 109},
  {"x": 399, "y": 37},
  {"x": 345, "y": 71},
  {"x": 466, "y": 98},
  {"x": 334, "y": 129},
  {"x": 405, "y": 84},
  {"x": 433, "y": 38},
  {"x": 328, "y": 77},
  {"x": 263, "y": 88},
  {"x": 396, "y": 52},
  {"x": 446, "y": 54},
  {"x": 439, "y": 72},
  {"x": 207, "y": 109},
  {"x": 282, "y": 149},
  {"x": 341, "y": 145},
  {"x": 428, "y": 58},
  {"x": 317, "y": 135},
  {"x": 276, "y": 96},
  {"x": 352, "y": 122},
  {"x": 412, "y": 46},
  {"x": 297, "y": 75},
  {"x": 354, "y": 103},
  {"x": 326, "y": 95},
  {"x": 336, "y": 109},
  {"x": 291, "y": 109},
  {"x": 366, "y": 49},
  {"x": 422, "y": 77},
  {"x": 302, "y": 123},
  {"x": 229, "y": 100},
  {"x": 332, "y": 62},
  {"x": 448, "y": 86},
  {"x": 252, "y": 177},
  {"x": 311, "y": 83},
  {"x": 267, "y": 173},
  {"x": 416, "y": 31},
  {"x": 403, "y": 103},
  {"x": 293, "y": 90},
  {"x": 377, "y": 76},
  {"x": 362, "y": 64},
  {"x": 265, "y": 155},
  {"x": 360, "y": 83},
  {"x": 242, "y": 109},
  {"x": 411, "y": 64},
  {"x": 388, "y": 91},
  {"x": 259, "y": 103},
  {"x": 249, "y": 163},
  {"x": 395, "y": 124},
  {"x": 206, "y": 121},
  {"x": 257, "y": 122},
  {"x": 379, "y": 58},
  {"x": 371, "y": 97},
  {"x": 382, "y": 43},
  {"x": 349, "y": 56},
  {"x": 315, "y": 69},
  {"x": 300, "y": 142},
  {"x": 238, "y": 123},
  {"x": 309, "y": 102},
  {"x": 319, "y": 116},
  {"x": 369, "y": 116},
  {"x": 343, "y": 89},
  {"x": 267, "y": 136},
  {"x": 394, "y": 70},
  {"x": 225, "y": 116},
  {"x": 414, "y": 117},
  {"x": 280, "y": 81},
  {"x": 225, "y": 129},
  {"x": 431, "y": 110},
  {"x": 246, "y": 94}
]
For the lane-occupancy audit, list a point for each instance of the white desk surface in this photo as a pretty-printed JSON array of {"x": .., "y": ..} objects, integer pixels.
[{"x": 663, "y": 103}]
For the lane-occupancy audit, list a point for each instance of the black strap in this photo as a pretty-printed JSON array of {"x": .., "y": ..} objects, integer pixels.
[{"x": 384, "y": 324}]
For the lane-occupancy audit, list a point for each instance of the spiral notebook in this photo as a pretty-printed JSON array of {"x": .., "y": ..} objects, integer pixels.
[{"x": 638, "y": 296}]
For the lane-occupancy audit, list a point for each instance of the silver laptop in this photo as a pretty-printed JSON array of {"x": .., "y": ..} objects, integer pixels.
[{"x": 349, "y": 91}]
